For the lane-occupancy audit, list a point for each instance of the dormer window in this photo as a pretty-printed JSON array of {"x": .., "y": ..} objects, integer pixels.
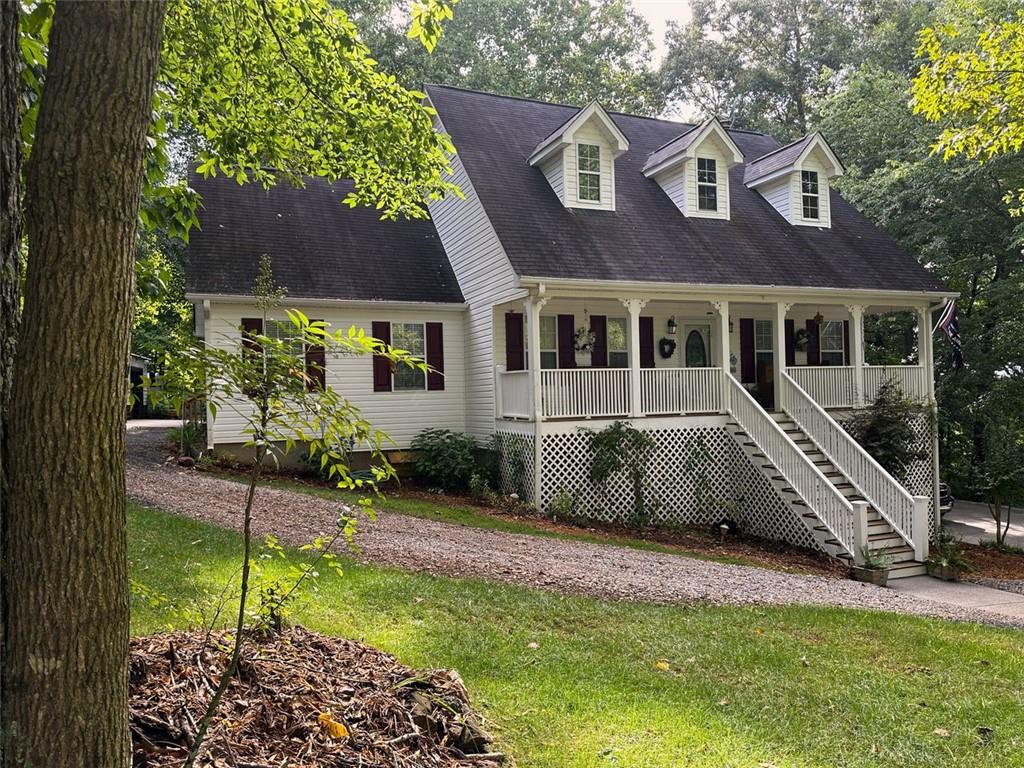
[
  {"x": 707, "y": 184},
  {"x": 809, "y": 193},
  {"x": 588, "y": 160}
]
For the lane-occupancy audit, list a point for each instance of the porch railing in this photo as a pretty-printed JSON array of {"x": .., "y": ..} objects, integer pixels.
[
  {"x": 833, "y": 509},
  {"x": 908, "y": 515},
  {"x": 909, "y": 378},
  {"x": 514, "y": 394},
  {"x": 672, "y": 391},
  {"x": 831, "y": 386},
  {"x": 578, "y": 393}
]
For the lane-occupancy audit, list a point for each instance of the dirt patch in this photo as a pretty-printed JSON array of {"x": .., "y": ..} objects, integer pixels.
[
  {"x": 993, "y": 564},
  {"x": 300, "y": 699}
]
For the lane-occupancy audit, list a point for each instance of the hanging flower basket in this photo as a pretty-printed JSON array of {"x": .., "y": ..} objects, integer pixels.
[{"x": 584, "y": 340}]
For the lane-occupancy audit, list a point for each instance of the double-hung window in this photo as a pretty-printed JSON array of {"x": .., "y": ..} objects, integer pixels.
[
  {"x": 548, "y": 342},
  {"x": 707, "y": 184},
  {"x": 412, "y": 338},
  {"x": 618, "y": 356},
  {"x": 763, "y": 347},
  {"x": 832, "y": 343},
  {"x": 588, "y": 165},
  {"x": 809, "y": 193}
]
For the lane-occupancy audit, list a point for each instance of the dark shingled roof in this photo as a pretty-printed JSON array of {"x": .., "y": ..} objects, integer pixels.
[
  {"x": 678, "y": 144},
  {"x": 646, "y": 238},
  {"x": 775, "y": 160},
  {"x": 319, "y": 247}
]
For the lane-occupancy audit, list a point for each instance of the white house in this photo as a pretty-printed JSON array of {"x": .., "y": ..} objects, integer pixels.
[{"x": 703, "y": 283}]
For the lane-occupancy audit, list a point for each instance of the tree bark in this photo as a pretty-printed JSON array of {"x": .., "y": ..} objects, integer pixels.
[
  {"x": 65, "y": 655},
  {"x": 10, "y": 233}
]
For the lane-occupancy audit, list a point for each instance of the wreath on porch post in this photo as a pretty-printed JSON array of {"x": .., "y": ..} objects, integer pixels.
[{"x": 666, "y": 347}]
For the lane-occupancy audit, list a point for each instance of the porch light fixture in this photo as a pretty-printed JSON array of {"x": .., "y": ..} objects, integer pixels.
[
  {"x": 819, "y": 318},
  {"x": 672, "y": 326}
]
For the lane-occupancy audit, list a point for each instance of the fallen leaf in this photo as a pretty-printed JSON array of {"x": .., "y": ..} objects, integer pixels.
[
  {"x": 941, "y": 732},
  {"x": 758, "y": 631},
  {"x": 332, "y": 727},
  {"x": 805, "y": 661},
  {"x": 723, "y": 702},
  {"x": 662, "y": 664},
  {"x": 985, "y": 734},
  {"x": 533, "y": 646}
]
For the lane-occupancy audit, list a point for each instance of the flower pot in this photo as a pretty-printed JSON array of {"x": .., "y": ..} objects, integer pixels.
[
  {"x": 877, "y": 576},
  {"x": 944, "y": 572}
]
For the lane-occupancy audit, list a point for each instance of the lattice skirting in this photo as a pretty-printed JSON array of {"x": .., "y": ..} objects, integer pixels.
[
  {"x": 515, "y": 454},
  {"x": 698, "y": 476}
]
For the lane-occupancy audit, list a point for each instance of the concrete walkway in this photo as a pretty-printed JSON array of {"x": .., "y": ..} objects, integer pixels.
[
  {"x": 962, "y": 595},
  {"x": 971, "y": 521}
]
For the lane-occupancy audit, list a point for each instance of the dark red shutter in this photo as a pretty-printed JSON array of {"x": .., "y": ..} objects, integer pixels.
[
  {"x": 813, "y": 348},
  {"x": 515, "y": 358},
  {"x": 846, "y": 342},
  {"x": 381, "y": 365},
  {"x": 435, "y": 356},
  {"x": 566, "y": 345},
  {"x": 790, "y": 343},
  {"x": 646, "y": 342},
  {"x": 599, "y": 355},
  {"x": 748, "y": 365},
  {"x": 316, "y": 365},
  {"x": 251, "y": 326}
]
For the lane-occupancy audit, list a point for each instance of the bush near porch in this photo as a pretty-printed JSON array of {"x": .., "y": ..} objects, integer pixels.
[{"x": 615, "y": 684}]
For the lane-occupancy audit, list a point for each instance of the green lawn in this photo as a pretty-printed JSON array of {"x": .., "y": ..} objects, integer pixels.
[{"x": 873, "y": 692}]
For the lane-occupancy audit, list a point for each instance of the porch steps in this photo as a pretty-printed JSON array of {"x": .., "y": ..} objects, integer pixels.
[{"x": 881, "y": 536}]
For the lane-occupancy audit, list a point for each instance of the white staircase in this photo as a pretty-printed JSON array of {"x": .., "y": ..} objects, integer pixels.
[{"x": 823, "y": 474}]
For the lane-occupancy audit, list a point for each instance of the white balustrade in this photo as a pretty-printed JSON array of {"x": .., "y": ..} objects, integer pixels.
[
  {"x": 872, "y": 481},
  {"x": 665, "y": 391},
  {"x": 583, "y": 392},
  {"x": 833, "y": 509},
  {"x": 514, "y": 394},
  {"x": 831, "y": 386},
  {"x": 909, "y": 378}
]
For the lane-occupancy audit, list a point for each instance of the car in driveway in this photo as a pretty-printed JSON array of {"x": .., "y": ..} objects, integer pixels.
[{"x": 945, "y": 498}]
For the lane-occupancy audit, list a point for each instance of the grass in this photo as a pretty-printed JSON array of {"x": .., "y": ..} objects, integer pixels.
[
  {"x": 789, "y": 686},
  {"x": 475, "y": 518}
]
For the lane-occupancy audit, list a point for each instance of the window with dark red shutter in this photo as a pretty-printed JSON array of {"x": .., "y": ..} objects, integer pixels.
[
  {"x": 316, "y": 365},
  {"x": 566, "y": 341},
  {"x": 646, "y": 342},
  {"x": 813, "y": 348},
  {"x": 515, "y": 355},
  {"x": 381, "y": 331},
  {"x": 599, "y": 355},
  {"x": 252, "y": 326},
  {"x": 435, "y": 356},
  {"x": 748, "y": 364},
  {"x": 790, "y": 343}
]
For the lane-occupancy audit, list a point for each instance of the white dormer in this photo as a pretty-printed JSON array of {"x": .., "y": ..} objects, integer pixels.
[
  {"x": 578, "y": 159},
  {"x": 795, "y": 178},
  {"x": 693, "y": 169}
]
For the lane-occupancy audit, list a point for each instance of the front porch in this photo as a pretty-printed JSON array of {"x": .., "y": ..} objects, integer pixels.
[{"x": 600, "y": 358}]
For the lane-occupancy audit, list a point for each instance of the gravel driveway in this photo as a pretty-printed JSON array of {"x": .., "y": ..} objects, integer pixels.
[{"x": 597, "y": 570}]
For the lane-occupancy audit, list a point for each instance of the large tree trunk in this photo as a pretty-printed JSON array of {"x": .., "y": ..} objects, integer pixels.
[{"x": 65, "y": 605}]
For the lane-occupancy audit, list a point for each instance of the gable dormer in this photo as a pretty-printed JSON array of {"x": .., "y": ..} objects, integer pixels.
[
  {"x": 578, "y": 159},
  {"x": 795, "y": 178},
  {"x": 693, "y": 169}
]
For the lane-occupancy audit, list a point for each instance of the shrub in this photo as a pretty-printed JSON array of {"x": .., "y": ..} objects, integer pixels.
[
  {"x": 444, "y": 459},
  {"x": 886, "y": 431},
  {"x": 624, "y": 448},
  {"x": 480, "y": 491},
  {"x": 562, "y": 506}
]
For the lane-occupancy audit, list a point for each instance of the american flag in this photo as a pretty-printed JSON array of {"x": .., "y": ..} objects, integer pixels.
[{"x": 951, "y": 327}]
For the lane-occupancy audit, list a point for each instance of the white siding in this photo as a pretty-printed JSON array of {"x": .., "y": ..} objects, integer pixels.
[
  {"x": 709, "y": 148},
  {"x": 401, "y": 415},
  {"x": 673, "y": 182},
  {"x": 779, "y": 194},
  {"x": 590, "y": 133},
  {"x": 554, "y": 172},
  {"x": 486, "y": 278}
]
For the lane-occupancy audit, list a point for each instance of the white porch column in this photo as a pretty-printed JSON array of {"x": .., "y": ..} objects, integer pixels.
[
  {"x": 724, "y": 353},
  {"x": 532, "y": 307},
  {"x": 781, "y": 309},
  {"x": 926, "y": 350},
  {"x": 857, "y": 352},
  {"x": 633, "y": 309}
]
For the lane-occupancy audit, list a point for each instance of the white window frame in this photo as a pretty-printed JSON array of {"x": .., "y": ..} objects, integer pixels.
[
  {"x": 612, "y": 351},
  {"x": 707, "y": 185},
  {"x": 551, "y": 351},
  {"x": 832, "y": 350},
  {"x": 810, "y": 198},
  {"x": 758, "y": 349},
  {"x": 589, "y": 172},
  {"x": 418, "y": 378}
]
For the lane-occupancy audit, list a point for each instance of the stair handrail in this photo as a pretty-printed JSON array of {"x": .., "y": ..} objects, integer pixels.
[
  {"x": 832, "y": 508},
  {"x": 885, "y": 493}
]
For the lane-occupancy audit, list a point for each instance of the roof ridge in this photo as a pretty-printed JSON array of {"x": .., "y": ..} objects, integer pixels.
[{"x": 687, "y": 132}]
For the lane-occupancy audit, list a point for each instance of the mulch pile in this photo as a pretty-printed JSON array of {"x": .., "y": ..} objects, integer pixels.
[
  {"x": 992, "y": 564},
  {"x": 299, "y": 700}
]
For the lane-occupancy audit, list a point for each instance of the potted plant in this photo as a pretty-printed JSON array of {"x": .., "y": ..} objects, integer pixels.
[
  {"x": 947, "y": 559},
  {"x": 873, "y": 569}
]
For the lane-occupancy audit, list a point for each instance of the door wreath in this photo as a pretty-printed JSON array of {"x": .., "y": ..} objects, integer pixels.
[{"x": 666, "y": 348}]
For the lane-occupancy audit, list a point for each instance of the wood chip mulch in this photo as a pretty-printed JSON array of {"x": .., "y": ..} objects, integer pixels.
[
  {"x": 299, "y": 700},
  {"x": 990, "y": 563}
]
